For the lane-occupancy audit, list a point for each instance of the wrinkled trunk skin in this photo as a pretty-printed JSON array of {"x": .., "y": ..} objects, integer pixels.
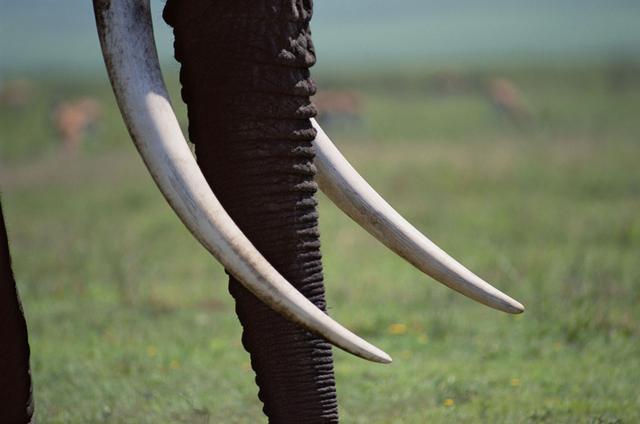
[
  {"x": 16, "y": 403},
  {"x": 245, "y": 77}
]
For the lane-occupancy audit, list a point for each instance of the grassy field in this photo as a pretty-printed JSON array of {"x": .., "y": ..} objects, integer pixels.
[{"x": 130, "y": 320}]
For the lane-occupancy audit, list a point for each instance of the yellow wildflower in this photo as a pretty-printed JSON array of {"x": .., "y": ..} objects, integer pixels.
[
  {"x": 152, "y": 351},
  {"x": 397, "y": 328},
  {"x": 449, "y": 402},
  {"x": 174, "y": 364}
]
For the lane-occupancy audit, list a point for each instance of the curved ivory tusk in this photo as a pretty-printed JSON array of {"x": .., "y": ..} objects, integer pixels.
[
  {"x": 128, "y": 46},
  {"x": 351, "y": 193}
]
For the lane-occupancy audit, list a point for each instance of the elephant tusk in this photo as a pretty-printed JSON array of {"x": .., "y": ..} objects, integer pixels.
[
  {"x": 128, "y": 46},
  {"x": 351, "y": 193}
]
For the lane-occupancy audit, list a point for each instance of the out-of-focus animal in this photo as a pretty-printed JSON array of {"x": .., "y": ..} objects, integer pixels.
[
  {"x": 73, "y": 119},
  {"x": 15, "y": 94},
  {"x": 508, "y": 100},
  {"x": 337, "y": 106}
]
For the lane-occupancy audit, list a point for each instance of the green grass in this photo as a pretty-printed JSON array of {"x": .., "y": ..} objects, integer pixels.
[{"x": 130, "y": 320}]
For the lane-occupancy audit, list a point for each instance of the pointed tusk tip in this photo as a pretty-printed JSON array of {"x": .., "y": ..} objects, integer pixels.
[
  {"x": 514, "y": 307},
  {"x": 502, "y": 302},
  {"x": 374, "y": 354},
  {"x": 383, "y": 358},
  {"x": 371, "y": 353}
]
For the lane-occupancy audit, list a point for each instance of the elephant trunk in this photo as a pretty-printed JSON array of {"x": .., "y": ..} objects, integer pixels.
[{"x": 245, "y": 79}]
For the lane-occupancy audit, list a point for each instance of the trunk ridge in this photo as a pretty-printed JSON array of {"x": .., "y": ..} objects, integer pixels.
[{"x": 246, "y": 82}]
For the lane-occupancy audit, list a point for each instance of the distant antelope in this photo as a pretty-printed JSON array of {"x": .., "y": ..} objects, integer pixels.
[
  {"x": 508, "y": 99},
  {"x": 15, "y": 94},
  {"x": 335, "y": 105},
  {"x": 73, "y": 118}
]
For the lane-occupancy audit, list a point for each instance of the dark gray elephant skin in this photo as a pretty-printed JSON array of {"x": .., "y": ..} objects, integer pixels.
[
  {"x": 246, "y": 82},
  {"x": 16, "y": 403}
]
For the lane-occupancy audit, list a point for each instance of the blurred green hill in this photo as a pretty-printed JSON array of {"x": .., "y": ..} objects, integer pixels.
[{"x": 37, "y": 35}]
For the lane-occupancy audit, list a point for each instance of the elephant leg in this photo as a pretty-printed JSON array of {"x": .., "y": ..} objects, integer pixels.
[
  {"x": 246, "y": 82},
  {"x": 16, "y": 403}
]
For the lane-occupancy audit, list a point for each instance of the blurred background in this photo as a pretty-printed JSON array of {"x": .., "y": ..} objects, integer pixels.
[{"x": 508, "y": 131}]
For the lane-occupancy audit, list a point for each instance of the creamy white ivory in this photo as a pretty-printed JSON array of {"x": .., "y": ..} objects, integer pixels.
[
  {"x": 351, "y": 193},
  {"x": 128, "y": 46}
]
